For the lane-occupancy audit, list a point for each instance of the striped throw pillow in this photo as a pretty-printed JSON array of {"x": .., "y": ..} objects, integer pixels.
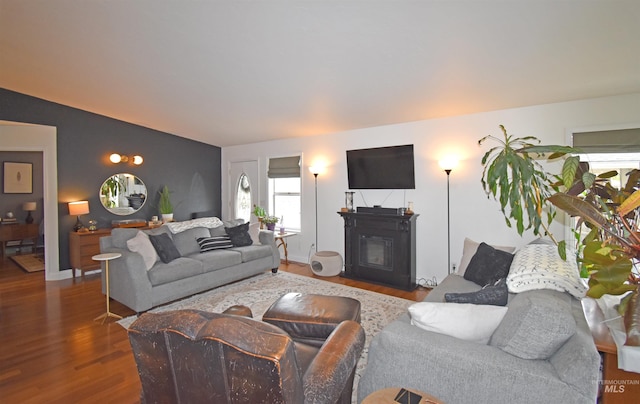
[{"x": 214, "y": 243}]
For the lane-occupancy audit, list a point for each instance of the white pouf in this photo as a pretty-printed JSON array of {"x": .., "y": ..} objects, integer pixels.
[{"x": 326, "y": 263}]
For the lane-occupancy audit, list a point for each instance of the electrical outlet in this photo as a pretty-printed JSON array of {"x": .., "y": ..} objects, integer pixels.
[{"x": 453, "y": 268}]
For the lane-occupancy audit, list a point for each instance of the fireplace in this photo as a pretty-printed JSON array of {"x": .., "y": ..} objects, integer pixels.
[
  {"x": 380, "y": 248},
  {"x": 376, "y": 252}
]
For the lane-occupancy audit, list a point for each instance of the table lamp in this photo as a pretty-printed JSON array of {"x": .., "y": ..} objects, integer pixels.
[
  {"x": 29, "y": 207},
  {"x": 76, "y": 209}
]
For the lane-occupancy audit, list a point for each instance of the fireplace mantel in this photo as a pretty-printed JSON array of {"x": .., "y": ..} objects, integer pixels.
[{"x": 380, "y": 248}]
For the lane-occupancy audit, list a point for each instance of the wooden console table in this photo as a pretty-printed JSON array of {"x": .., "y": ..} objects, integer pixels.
[
  {"x": 18, "y": 231},
  {"x": 618, "y": 386},
  {"x": 83, "y": 246}
]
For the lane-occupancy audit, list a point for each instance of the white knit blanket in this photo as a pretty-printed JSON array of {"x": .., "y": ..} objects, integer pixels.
[
  {"x": 209, "y": 222},
  {"x": 538, "y": 266}
]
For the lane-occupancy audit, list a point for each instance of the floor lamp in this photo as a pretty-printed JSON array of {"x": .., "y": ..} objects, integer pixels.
[
  {"x": 448, "y": 165},
  {"x": 315, "y": 171}
]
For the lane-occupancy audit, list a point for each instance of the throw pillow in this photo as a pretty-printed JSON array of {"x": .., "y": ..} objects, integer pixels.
[
  {"x": 488, "y": 265},
  {"x": 214, "y": 243},
  {"x": 164, "y": 247},
  {"x": 536, "y": 325},
  {"x": 538, "y": 266},
  {"x": 469, "y": 250},
  {"x": 142, "y": 245},
  {"x": 470, "y": 322},
  {"x": 239, "y": 235},
  {"x": 496, "y": 295}
]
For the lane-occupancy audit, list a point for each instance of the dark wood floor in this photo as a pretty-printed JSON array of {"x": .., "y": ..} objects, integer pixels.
[{"x": 51, "y": 350}]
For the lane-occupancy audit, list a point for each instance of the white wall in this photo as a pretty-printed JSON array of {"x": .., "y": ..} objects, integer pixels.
[{"x": 472, "y": 214}]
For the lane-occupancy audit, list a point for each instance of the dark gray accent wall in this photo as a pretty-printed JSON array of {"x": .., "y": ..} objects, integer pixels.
[{"x": 85, "y": 140}]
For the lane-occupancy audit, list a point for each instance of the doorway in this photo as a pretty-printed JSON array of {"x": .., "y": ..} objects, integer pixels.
[{"x": 15, "y": 136}]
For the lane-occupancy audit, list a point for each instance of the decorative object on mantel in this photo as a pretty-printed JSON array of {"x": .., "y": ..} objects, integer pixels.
[
  {"x": 29, "y": 207},
  {"x": 348, "y": 201},
  {"x": 608, "y": 252},
  {"x": 76, "y": 209},
  {"x": 409, "y": 210},
  {"x": 166, "y": 207}
]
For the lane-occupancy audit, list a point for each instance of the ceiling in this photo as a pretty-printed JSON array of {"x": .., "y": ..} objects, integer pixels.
[{"x": 230, "y": 72}]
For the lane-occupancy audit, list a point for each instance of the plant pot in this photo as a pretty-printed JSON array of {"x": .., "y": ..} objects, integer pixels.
[
  {"x": 167, "y": 217},
  {"x": 271, "y": 226},
  {"x": 632, "y": 320}
]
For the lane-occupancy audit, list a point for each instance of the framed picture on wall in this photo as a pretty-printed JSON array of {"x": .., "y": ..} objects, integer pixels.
[{"x": 18, "y": 178}]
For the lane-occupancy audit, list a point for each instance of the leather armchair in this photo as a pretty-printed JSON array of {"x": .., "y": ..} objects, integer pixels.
[{"x": 191, "y": 356}]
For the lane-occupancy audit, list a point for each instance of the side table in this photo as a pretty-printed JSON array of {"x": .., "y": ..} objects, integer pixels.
[
  {"x": 281, "y": 240},
  {"x": 617, "y": 385},
  {"x": 106, "y": 257}
]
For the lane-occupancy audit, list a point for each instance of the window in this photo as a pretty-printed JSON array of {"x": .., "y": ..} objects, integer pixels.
[
  {"x": 609, "y": 150},
  {"x": 284, "y": 191}
]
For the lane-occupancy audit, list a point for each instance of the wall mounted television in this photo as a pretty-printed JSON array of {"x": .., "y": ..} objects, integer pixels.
[{"x": 381, "y": 168}]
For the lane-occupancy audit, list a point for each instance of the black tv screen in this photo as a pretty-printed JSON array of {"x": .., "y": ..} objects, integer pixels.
[{"x": 381, "y": 168}]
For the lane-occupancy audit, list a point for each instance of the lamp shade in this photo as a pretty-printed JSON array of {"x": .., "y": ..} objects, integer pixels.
[
  {"x": 449, "y": 163},
  {"x": 29, "y": 206},
  {"x": 78, "y": 208}
]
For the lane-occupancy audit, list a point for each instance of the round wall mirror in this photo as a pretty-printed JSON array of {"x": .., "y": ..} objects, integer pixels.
[{"x": 123, "y": 194}]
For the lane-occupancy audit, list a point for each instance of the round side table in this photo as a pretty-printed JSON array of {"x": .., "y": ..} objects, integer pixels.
[{"x": 106, "y": 257}]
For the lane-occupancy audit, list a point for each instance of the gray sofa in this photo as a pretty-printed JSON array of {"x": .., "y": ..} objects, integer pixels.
[
  {"x": 131, "y": 284},
  {"x": 458, "y": 371}
]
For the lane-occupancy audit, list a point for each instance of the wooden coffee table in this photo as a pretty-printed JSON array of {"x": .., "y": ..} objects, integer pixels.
[{"x": 389, "y": 395}]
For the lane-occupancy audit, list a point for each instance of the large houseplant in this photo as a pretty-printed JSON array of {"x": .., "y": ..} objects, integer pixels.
[
  {"x": 165, "y": 206},
  {"x": 528, "y": 196}
]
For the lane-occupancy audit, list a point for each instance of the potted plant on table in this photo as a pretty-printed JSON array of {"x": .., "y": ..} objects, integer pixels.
[
  {"x": 608, "y": 252},
  {"x": 270, "y": 222},
  {"x": 165, "y": 205},
  {"x": 260, "y": 213}
]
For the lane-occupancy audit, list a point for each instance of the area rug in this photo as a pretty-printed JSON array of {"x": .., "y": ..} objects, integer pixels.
[
  {"x": 261, "y": 291},
  {"x": 29, "y": 262}
]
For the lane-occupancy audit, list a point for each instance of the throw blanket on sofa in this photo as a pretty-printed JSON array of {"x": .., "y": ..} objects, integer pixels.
[
  {"x": 538, "y": 266},
  {"x": 209, "y": 222}
]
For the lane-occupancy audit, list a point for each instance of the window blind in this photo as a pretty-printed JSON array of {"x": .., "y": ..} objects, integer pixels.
[
  {"x": 608, "y": 141},
  {"x": 284, "y": 167}
]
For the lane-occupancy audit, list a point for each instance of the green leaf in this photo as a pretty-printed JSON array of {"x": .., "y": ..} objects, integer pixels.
[
  {"x": 608, "y": 174},
  {"x": 569, "y": 169},
  {"x": 562, "y": 250},
  {"x": 588, "y": 179}
]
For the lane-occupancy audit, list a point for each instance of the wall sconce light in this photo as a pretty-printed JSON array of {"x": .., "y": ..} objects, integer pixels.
[
  {"x": 118, "y": 158},
  {"x": 29, "y": 207},
  {"x": 76, "y": 209}
]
